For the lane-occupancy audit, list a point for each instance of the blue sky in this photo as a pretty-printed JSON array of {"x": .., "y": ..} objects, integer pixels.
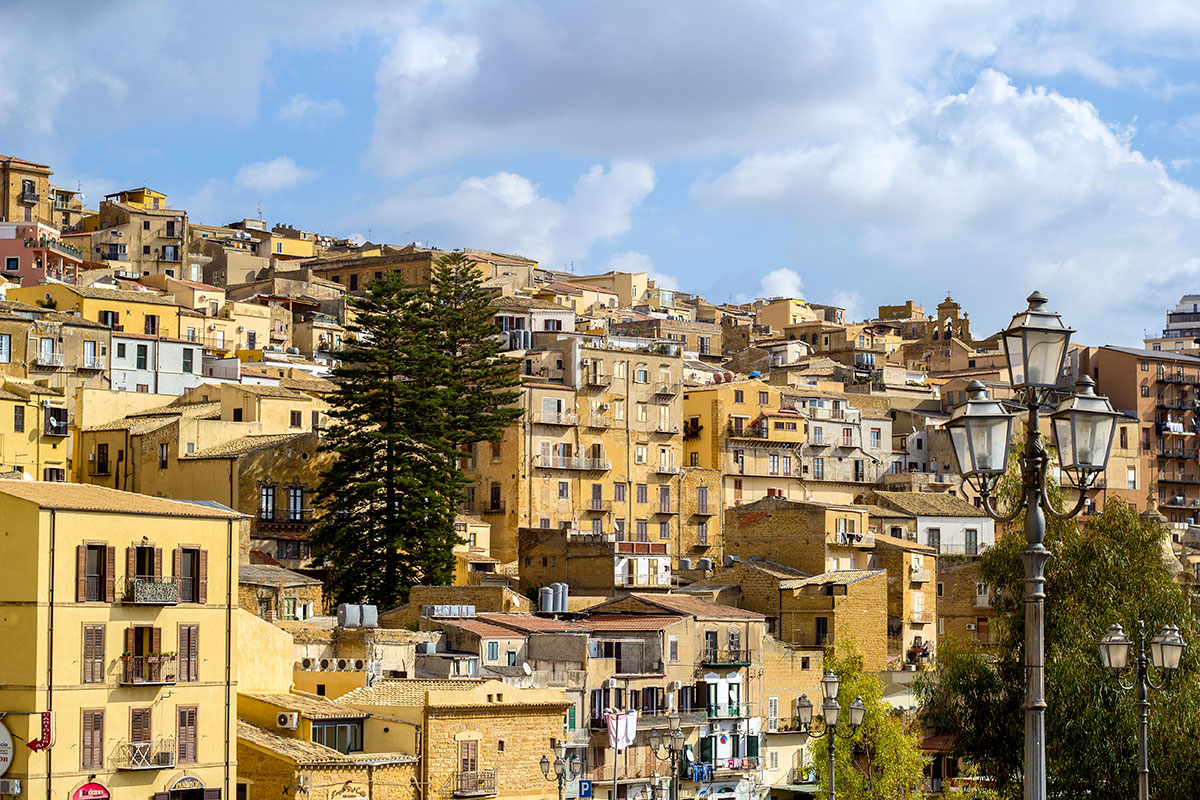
[{"x": 858, "y": 154}]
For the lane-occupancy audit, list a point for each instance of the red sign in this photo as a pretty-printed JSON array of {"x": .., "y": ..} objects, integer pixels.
[
  {"x": 47, "y": 736},
  {"x": 90, "y": 791}
]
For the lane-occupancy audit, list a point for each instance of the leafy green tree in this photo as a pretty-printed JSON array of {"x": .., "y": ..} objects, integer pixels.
[
  {"x": 422, "y": 378},
  {"x": 1109, "y": 570},
  {"x": 883, "y": 759}
]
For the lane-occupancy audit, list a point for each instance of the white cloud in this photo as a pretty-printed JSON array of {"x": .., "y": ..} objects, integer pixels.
[
  {"x": 991, "y": 193},
  {"x": 272, "y": 176},
  {"x": 306, "y": 110},
  {"x": 852, "y": 303},
  {"x": 783, "y": 282},
  {"x": 508, "y": 212}
]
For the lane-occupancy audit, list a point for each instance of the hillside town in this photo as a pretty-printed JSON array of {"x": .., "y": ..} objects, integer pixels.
[{"x": 699, "y": 509}]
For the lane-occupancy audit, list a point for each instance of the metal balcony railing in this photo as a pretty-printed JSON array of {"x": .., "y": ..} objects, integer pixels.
[
  {"x": 284, "y": 519},
  {"x": 665, "y": 427},
  {"x": 726, "y": 657},
  {"x": 141, "y": 670},
  {"x": 849, "y": 539},
  {"x": 920, "y": 617},
  {"x": 919, "y": 576},
  {"x": 596, "y": 380},
  {"x": 637, "y": 666},
  {"x": 111, "y": 256},
  {"x": 983, "y": 601},
  {"x": 491, "y": 507},
  {"x": 569, "y": 420},
  {"x": 1182, "y": 477},
  {"x": 666, "y": 389},
  {"x": 159, "y": 754},
  {"x": 597, "y": 421},
  {"x": 746, "y": 432},
  {"x": 48, "y": 359},
  {"x": 98, "y": 468},
  {"x": 29, "y": 197},
  {"x": 92, "y": 362},
  {"x": 651, "y": 581},
  {"x": 150, "y": 590},
  {"x": 475, "y": 783},
  {"x": 667, "y": 469},
  {"x": 728, "y": 710},
  {"x": 572, "y": 462}
]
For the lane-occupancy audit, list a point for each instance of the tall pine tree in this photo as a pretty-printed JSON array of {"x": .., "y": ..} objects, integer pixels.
[{"x": 423, "y": 377}]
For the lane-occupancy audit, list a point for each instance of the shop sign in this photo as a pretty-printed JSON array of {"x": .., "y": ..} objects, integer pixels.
[
  {"x": 6, "y": 749},
  {"x": 90, "y": 791},
  {"x": 187, "y": 782}
]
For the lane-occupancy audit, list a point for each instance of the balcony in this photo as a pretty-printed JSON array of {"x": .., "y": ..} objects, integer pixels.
[
  {"x": 1176, "y": 377},
  {"x": 665, "y": 427},
  {"x": 705, "y": 510},
  {"x": 595, "y": 380},
  {"x": 1177, "y": 452},
  {"x": 218, "y": 343},
  {"x": 596, "y": 506},
  {"x": 1179, "y": 478},
  {"x": 170, "y": 233},
  {"x": 918, "y": 617},
  {"x": 148, "y": 670},
  {"x": 919, "y": 576},
  {"x": 746, "y": 432},
  {"x": 597, "y": 421},
  {"x": 726, "y": 765},
  {"x": 642, "y": 548},
  {"x": 849, "y": 539},
  {"x": 983, "y": 601},
  {"x": 1180, "y": 502},
  {"x": 151, "y": 590},
  {"x": 168, "y": 257},
  {"x": 565, "y": 420},
  {"x": 475, "y": 783},
  {"x": 666, "y": 389},
  {"x": 572, "y": 462},
  {"x": 728, "y": 710},
  {"x": 28, "y": 197},
  {"x": 638, "y": 666},
  {"x": 93, "y": 362},
  {"x": 692, "y": 432},
  {"x": 112, "y": 256},
  {"x": 643, "y": 581},
  {"x": 48, "y": 360},
  {"x": 145, "y": 755},
  {"x": 492, "y": 507},
  {"x": 288, "y": 520},
  {"x": 728, "y": 658},
  {"x": 667, "y": 469},
  {"x": 784, "y": 725}
]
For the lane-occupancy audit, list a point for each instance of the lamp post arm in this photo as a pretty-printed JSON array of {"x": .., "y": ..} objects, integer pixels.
[
  {"x": 991, "y": 510},
  {"x": 1074, "y": 512}
]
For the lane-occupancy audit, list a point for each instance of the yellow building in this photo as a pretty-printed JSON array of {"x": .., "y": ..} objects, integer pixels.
[
  {"x": 783, "y": 312},
  {"x": 135, "y": 233},
  {"x": 743, "y": 430},
  {"x": 24, "y": 191},
  {"x": 118, "y": 309},
  {"x": 119, "y": 622},
  {"x": 472, "y": 555}
]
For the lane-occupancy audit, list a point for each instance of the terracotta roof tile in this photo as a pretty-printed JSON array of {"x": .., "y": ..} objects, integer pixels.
[
  {"x": 687, "y": 605},
  {"x": 86, "y": 497},
  {"x": 930, "y": 504},
  {"x": 842, "y": 577},
  {"x": 405, "y": 691},
  {"x": 267, "y": 575},
  {"x": 631, "y": 622},
  {"x": 533, "y": 624},
  {"x": 245, "y": 445},
  {"x": 309, "y": 705}
]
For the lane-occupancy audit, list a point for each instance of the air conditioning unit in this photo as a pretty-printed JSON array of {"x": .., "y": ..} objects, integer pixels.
[
  {"x": 324, "y": 664},
  {"x": 288, "y": 720},
  {"x": 970, "y": 626},
  {"x": 676, "y": 685},
  {"x": 306, "y": 663},
  {"x": 342, "y": 664},
  {"x": 10, "y": 786},
  {"x": 605, "y": 406},
  {"x": 359, "y": 665},
  {"x": 612, "y": 683}
]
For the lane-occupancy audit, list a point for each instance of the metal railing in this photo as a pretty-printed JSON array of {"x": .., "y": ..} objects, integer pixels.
[
  {"x": 92, "y": 362},
  {"x": 666, "y": 388},
  {"x": 783, "y": 725},
  {"x": 596, "y": 379},
  {"x": 572, "y": 462},
  {"x": 948, "y": 549},
  {"x": 746, "y": 432},
  {"x": 727, "y": 656},
  {"x": 597, "y": 421},
  {"x": 642, "y": 548},
  {"x": 643, "y": 580},
  {"x": 159, "y": 754},
  {"x": 832, "y": 414},
  {"x": 491, "y": 507},
  {"x": 1177, "y": 452},
  {"x": 544, "y": 418},
  {"x": 150, "y": 590},
  {"x": 637, "y": 666},
  {"x": 667, "y": 469},
  {"x": 728, "y": 710},
  {"x": 284, "y": 519},
  {"x": 98, "y": 468},
  {"x": 850, "y": 539},
  {"x": 1182, "y": 477},
  {"x": 665, "y": 427},
  {"x": 30, "y": 197},
  {"x": 111, "y": 256},
  {"x": 160, "y": 670},
  {"x": 48, "y": 359},
  {"x": 475, "y": 783},
  {"x": 983, "y": 601},
  {"x": 920, "y": 617}
]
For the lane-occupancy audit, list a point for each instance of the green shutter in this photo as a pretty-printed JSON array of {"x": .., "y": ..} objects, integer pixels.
[
  {"x": 752, "y": 747},
  {"x": 571, "y": 718},
  {"x": 706, "y": 749}
]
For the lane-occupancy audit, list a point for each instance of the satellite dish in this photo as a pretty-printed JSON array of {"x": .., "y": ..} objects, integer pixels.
[{"x": 526, "y": 668}]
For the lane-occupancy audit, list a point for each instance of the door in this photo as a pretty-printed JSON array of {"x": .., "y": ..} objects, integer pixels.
[
  {"x": 972, "y": 542},
  {"x": 597, "y": 497},
  {"x": 981, "y": 630},
  {"x": 468, "y": 765},
  {"x": 822, "y": 630},
  {"x": 710, "y": 644}
]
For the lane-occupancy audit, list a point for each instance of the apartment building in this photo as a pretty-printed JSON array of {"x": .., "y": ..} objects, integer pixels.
[
  {"x": 807, "y": 536},
  {"x": 33, "y": 253},
  {"x": 136, "y": 232},
  {"x": 120, "y": 310},
  {"x": 847, "y": 449},
  {"x": 964, "y": 601},
  {"x": 24, "y": 191},
  {"x": 596, "y": 565},
  {"x": 519, "y": 317},
  {"x": 944, "y": 522},
  {"x": 154, "y": 364},
  {"x": 833, "y": 606},
  {"x": 742, "y": 429},
  {"x": 54, "y": 349},
  {"x": 697, "y": 339},
  {"x": 912, "y": 599},
  {"x": 118, "y": 625},
  {"x": 598, "y": 449},
  {"x": 415, "y": 264}
]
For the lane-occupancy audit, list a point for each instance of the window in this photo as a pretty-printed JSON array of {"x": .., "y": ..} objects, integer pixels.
[
  {"x": 818, "y": 469},
  {"x": 564, "y": 490},
  {"x": 639, "y": 455},
  {"x": 266, "y": 503},
  {"x": 773, "y": 464},
  {"x": 641, "y": 375},
  {"x": 191, "y": 573},
  {"x": 764, "y": 398},
  {"x": 151, "y": 326},
  {"x": 237, "y": 415},
  {"x": 145, "y": 224},
  {"x": 162, "y": 455},
  {"x": 1143, "y": 366},
  {"x": 933, "y": 538},
  {"x": 5, "y": 348},
  {"x": 142, "y": 356},
  {"x": 1145, "y": 391},
  {"x": 493, "y": 651},
  {"x": 12, "y": 264},
  {"x": 818, "y": 435},
  {"x": 618, "y": 493},
  {"x": 189, "y": 653},
  {"x": 664, "y": 530},
  {"x": 876, "y": 438},
  {"x": 643, "y": 531},
  {"x": 296, "y": 419},
  {"x": 93, "y": 654},
  {"x": 971, "y": 545},
  {"x": 702, "y": 533},
  {"x": 187, "y": 359},
  {"x": 1130, "y": 477},
  {"x": 91, "y": 741},
  {"x": 345, "y": 736},
  {"x": 643, "y": 493},
  {"x": 145, "y": 249},
  {"x": 54, "y": 474},
  {"x": 295, "y": 504},
  {"x": 18, "y": 419},
  {"x": 702, "y": 500},
  {"x": 512, "y": 662},
  {"x": 847, "y": 437},
  {"x": 186, "y": 735},
  {"x": 642, "y": 416},
  {"x": 739, "y": 396}
]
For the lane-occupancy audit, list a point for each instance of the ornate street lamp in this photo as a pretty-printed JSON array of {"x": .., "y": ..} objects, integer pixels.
[
  {"x": 1035, "y": 347},
  {"x": 1166, "y": 649},
  {"x": 670, "y": 740},
  {"x": 831, "y": 711},
  {"x": 563, "y": 768}
]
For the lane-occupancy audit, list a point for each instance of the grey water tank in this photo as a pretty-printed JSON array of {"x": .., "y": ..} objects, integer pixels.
[
  {"x": 349, "y": 615},
  {"x": 545, "y": 599},
  {"x": 370, "y": 616}
]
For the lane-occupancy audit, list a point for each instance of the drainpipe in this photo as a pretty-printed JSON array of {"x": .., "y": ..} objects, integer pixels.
[
  {"x": 50, "y": 653},
  {"x": 229, "y": 584}
]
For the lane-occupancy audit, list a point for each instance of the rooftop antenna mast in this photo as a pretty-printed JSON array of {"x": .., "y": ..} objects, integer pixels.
[{"x": 258, "y": 206}]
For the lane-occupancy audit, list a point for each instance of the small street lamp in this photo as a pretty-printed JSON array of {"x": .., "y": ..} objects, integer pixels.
[
  {"x": 1166, "y": 649},
  {"x": 831, "y": 712},
  {"x": 1035, "y": 348},
  {"x": 562, "y": 767},
  {"x": 670, "y": 741}
]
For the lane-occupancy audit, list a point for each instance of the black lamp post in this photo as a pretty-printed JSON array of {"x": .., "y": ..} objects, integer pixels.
[
  {"x": 563, "y": 769},
  {"x": 670, "y": 740},
  {"x": 1035, "y": 347},
  {"x": 1166, "y": 649},
  {"x": 831, "y": 711}
]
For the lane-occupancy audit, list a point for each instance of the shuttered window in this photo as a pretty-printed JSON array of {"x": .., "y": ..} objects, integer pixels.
[
  {"x": 95, "y": 573},
  {"x": 139, "y": 725},
  {"x": 91, "y": 743},
  {"x": 93, "y": 654},
  {"x": 186, "y": 736},
  {"x": 189, "y": 652},
  {"x": 191, "y": 573}
]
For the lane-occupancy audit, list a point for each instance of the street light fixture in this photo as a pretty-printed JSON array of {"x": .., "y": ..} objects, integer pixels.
[
  {"x": 670, "y": 740},
  {"x": 831, "y": 711},
  {"x": 1166, "y": 650},
  {"x": 563, "y": 768},
  {"x": 1035, "y": 348}
]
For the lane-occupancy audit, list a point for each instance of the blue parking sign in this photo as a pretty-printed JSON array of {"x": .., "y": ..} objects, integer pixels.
[{"x": 585, "y": 788}]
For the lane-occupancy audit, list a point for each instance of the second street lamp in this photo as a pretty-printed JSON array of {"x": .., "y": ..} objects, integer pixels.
[
  {"x": 831, "y": 712},
  {"x": 563, "y": 768},
  {"x": 1166, "y": 650},
  {"x": 672, "y": 741},
  {"x": 1035, "y": 347}
]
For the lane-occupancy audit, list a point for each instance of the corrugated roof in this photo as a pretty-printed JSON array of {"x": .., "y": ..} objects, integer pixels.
[
  {"x": 405, "y": 691},
  {"x": 533, "y": 624},
  {"x": 309, "y": 705},
  {"x": 1157, "y": 355},
  {"x": 841, "y": 577},
  {"x": 267, "y": 575},
  {"x": 930, "y": 504},
  {"x": 245, "y": 445},
  {"x": 86, "y": 497}
]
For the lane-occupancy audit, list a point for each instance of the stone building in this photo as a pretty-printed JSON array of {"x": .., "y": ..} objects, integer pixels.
[
  {"x": 835, "y": 606},
  {"x": 964, "y": 601},
  {"x": 274, "y": 593},
  {"x": 807, "y": 536},
  {"x": 911, "y": 598}
]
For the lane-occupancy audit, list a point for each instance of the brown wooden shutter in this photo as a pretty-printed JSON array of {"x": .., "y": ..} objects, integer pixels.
[
  {"x": 186, "y": 735},
  {"x": 189, "y": 652},
  {"x": 178, "y": 558},
  {"x": 81, "y": 573},
  {"x": 130, "y": 565},
  {"x": 87, "y": 656},
  {"x": 85, "y": 741},
  {"x": 158, "y": 562},
  {"x": 110, "y": 574},
  {"x": 211, "y": 794},
  {"x": 203, "y": 578},
  {"x": 139, "y": 725},
  {"x": 156, "y": 640},
  {"x": 129, "y": 634}
]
